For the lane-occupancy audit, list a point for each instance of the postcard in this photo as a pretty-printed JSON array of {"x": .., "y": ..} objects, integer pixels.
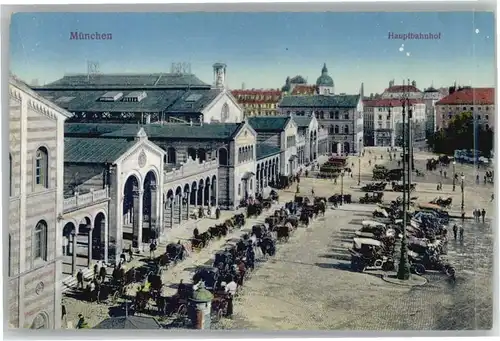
[{"x": 251, "y": 170}]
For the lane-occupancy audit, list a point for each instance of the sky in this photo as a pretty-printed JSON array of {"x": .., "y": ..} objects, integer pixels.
[{"x": 262, "y": 49}]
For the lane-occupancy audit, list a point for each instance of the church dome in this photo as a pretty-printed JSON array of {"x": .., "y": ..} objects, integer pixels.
[
  {"x": 298, "y": 80},
  {"x": 324, "y": 79}
]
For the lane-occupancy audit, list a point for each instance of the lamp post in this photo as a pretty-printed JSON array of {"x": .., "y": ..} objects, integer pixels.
[
  {"x": 454, "y": 163},
  {"x": 462, "y": 187},
  {"x": 359, "y": 169},
  {"x": 410, "y": 156},
  {"x": 342, "y": 187},
  {"x": 404, "y": 265}
]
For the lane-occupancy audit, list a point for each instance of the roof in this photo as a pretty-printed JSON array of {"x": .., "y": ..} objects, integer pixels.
[
  {"x": 264, "y": 150},
  {"x": 304, "y": 90},
  {"x": 298, "y": 80},
  {"x": 402, "y": 88},
  {"x": 387, "y": 102},
  {"x": 169, "y": 101},
  {"x": 431, "y": 89},
  {"x": 126, "y": 81},
  {"x": 470, "y": 96},
  {"x": 219, "y": 131},
  {"x": 320, "y": 101},
  {"x": 302, "y": 121},
  {"x": 94, "y": 150},
  {"x": 129, "y": 322},
  {"x": 14, "y": 81},
  {"x": 268, "y": 123}
]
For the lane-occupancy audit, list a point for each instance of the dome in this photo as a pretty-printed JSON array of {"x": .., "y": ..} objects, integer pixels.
[
  {"x": 298, "y": 80},
  {"x": 324, "y": 79}
]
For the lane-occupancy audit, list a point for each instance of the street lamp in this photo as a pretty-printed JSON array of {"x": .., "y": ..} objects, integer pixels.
[
  {"x": 462, "y": 187},
  {"x": 404, "y": 265},
  {"x": 359, "y": 169},
  {"x": 342, "y": 187},
  {"x": 454, "y": 175}
]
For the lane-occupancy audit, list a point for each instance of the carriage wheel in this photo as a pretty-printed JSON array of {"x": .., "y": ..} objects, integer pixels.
[
  {"x": 418, "y": 269},
  {"x": 378, "y": 263},
  {"x": 115, "y": 297},
  {"x": 182, "y": 310},
  {"x": 219, "y": 315}
]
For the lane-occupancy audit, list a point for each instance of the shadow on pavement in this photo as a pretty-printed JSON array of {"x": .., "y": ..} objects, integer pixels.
[{"x": 338, "y": 266}]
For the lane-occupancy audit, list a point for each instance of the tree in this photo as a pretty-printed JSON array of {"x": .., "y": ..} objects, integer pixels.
[{"x": 462, "y": 133}]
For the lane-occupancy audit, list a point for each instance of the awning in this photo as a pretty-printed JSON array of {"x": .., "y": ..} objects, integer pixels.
[{"x": 247, "y": 175}]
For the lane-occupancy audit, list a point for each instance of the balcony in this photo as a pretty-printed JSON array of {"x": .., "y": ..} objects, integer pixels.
[
  {"x": 78, "y": 201},
  {"x": 189, "y": 168}
]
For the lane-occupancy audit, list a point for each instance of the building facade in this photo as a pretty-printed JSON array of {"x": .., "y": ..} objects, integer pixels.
[
  {"x": 257, "y": 102},
  {"x": 479, "y": 101},
  {"x": 430, "y": 97},
  {"x": 384, "y": 119},
  {"x": 340, "y": 115},
  {"x": 36, "y": 204}
]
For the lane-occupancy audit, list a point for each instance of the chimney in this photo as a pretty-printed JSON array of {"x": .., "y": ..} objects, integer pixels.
[{"x": 413, "y": 83}]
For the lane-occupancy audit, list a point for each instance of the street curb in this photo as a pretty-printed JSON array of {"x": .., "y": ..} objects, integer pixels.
[{"x": 414, "y": 281}]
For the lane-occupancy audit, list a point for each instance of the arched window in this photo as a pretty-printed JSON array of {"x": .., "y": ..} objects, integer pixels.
[
  {"x": 336, "y": 129},
  {"x": 223, "y": 157},
  {"x": 330, "y": 130},
  {"x": 346, "y": 129},
  {"x": 41, "y": 321},
  {"x": 224, "y": 116},
  {"x": 40, "y": 241},
  {"x": 42, "y": 167}
]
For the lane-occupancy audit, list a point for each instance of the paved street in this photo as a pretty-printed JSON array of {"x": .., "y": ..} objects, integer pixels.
[{"x": 309, "y": 285}]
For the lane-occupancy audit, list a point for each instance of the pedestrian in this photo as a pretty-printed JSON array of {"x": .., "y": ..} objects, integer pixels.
[
  {"x": 200, "y": 212},
  {"x": 230, "y": 289},
  {"x": 63, "y": 315},
  {"x": 444, "y": 174},
  {"x": 241, "y": 271},
  {"x": 370, "y": 162},
  {"x": 455, "y": 230},
  {"x": 96, "y": 270},
  {"x": 152, "y": 248},
  {"x": 312, "y": 191},
  {"x": 399, "y": 163},
  {"x": 484, "y": 178},
  {"x": 492, "y": 197},
  {"x": 209, "y": 211},
  {"x": 79, "y": 279},
  {"x": 298, "y": 189},
  {"x": 461, "y": 232},
  {"x": 440, "y": 172},
  {"x": 102, "y": 273},
  {"x": 217, "y": 213},
  {"x": 483, "y": 214},
  {"x": 477, "y": 179},
  {"x": 463, "y": 217},
  {"x": 82, "y": 324},
  {"x": 453, "y": 187}
]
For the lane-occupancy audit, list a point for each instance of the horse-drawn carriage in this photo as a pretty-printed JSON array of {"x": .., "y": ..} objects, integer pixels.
[
  {"x": 366, "y": 252},
  {"x": 283, "y": 232},
  {"x": 209, "y": 275},
  {"x": 374, "y": 187},
  {"x": 372, "y": 198},
  {"x": 400, "y": 188},
  {"x": 254, "y": 209},
  {"x": 445, "y": 203}
]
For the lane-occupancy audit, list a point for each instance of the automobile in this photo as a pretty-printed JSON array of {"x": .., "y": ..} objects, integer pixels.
[{"x": 368, "y": 252}]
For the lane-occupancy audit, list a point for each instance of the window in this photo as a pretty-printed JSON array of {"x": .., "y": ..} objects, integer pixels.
[
  {"x": 471, "y": 108},
  {"x": 346, "y": 129},
  {"x": 40, "y": 241},
  {"x": 41, "y": 167},
  {"x": 346, "y": 116},
  {"x": 336, "y": 115},
  {"x": 331, "y": 115},
  {"x": 478, "y": 117},
  {"x": 322, "y": 115},
  {"x": 239, "y": 189},
  {"x": 251, "y": 184},
  {"x": 380, "y": 117},
  {"x": 224, "y": 113},
  {"x": 336, "y": 129},
  {"x": 330, "y": 130},
  {"x": 465, "y": 108},
  {"x": 486, "y": 117}
]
